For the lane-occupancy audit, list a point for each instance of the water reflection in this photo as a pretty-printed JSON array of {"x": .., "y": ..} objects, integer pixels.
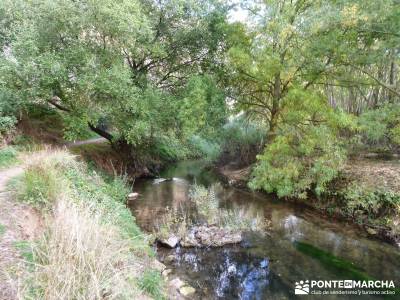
[{"x": 300, "y": 244}]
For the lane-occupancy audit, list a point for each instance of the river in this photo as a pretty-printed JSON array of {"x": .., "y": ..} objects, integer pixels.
[{"x": 299, "y": 244}]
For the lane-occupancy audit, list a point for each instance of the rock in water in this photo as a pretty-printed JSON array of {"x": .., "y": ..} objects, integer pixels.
[
  {"x": 133, "y": 196},
  {"x": 187, "y": 290},
  {"x": 170, "y": 242},
  {"x": 210, "y": 236}
]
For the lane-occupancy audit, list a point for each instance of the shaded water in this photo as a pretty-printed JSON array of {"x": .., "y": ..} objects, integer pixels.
[{"x": 299, "y": 245}]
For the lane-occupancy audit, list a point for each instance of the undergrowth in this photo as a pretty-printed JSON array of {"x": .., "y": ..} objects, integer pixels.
[
  {"x": 92, "y": 247},
  {"x": 8, "y": 156}
]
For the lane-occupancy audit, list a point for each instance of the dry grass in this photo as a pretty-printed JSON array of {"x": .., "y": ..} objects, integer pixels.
[
  {"x": 91, "y": 249},
  {"x": 173, "y": 222},
  {"x": 83, "y": 258}
]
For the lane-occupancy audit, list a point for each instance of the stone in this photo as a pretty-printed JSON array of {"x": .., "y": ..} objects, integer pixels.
[
  {"x": 210, "y": 236},
  {"x": 166, "y": 272},
  {"x": 169, "y": 259},
  {"x": 133, "y": 196},
  {"x": 372, "y": 231},
  {"x": 171, "y": 242},
  {"x": 158, "y": 266},
  {"x": 176, "y": 283},
  {"x": 187, "y": 290}
]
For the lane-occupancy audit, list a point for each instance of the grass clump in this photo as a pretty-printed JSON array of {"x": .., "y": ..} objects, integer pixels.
[
  {"x": 2, "y": 229},
  {"x": 8, "y": 156},
  {"x": 173, "y": 222},
  {"x": 92, "y": 247},
  {"x": 207, "y": 204},
  {"x": 149, "y": 282}
]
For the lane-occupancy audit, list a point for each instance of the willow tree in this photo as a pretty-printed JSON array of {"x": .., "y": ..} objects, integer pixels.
[
  {"x": 281, "y": 64},
  {"x": 121, "y": 61}
]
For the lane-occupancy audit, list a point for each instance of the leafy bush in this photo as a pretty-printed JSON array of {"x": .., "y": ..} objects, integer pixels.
[
  {"x": 361, "y": 201},
  {"x": 204, "y": 148},
  {"x": 291, "y": 165},
  {"x": 381, "y": 126},
  {"x": 306, "y": 154},
  {"x": 8, "y": 156},
  {"x": 7, "y": 124},
  {"x": 242, "y": 140},
  {"x": 168, "y": 148}
]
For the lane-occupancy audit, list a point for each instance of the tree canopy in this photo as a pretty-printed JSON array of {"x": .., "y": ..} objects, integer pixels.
[{"x": 311, "y": 77}]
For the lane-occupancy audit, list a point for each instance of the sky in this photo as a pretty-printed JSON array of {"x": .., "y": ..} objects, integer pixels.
[{"x": 237, "y": 14}]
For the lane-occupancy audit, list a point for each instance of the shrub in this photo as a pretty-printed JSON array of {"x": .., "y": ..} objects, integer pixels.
[
  {"x": 362, "y": 201},
  {"x": 168, "y": 148},
  {"x": 7, "y": 124},
  {"x": 150, "y": 282},
  {"x": 292, "y": 165},
  {"x": 204, "y": 148},
  {"x": 8, "y": 156},
  {"x": 306, "y": 152},
  {"x": 381, "y": 127},
  {"x": 242, "y": 140}
]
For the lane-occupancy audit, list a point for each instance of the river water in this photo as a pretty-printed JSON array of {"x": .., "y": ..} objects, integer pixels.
[{"x": 298, "y": 245}]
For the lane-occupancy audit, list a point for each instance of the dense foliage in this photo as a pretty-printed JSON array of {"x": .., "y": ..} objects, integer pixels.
[
  {"x": 300, "y": 83},
  {"x": 137, "y": 69},
  {"x": 291, "y": 68}
]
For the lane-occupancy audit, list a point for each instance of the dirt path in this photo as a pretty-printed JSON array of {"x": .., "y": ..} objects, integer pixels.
[
  {"x": 86, "y": 142},
  {"x": 18, "y": 222}
]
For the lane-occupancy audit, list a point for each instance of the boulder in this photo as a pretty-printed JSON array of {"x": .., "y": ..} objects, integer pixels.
[
  {"x": 166, "y": 272},
  {"x": 170, "y": 259},
  {"x": 210, "y": 236},
  {"x": 176, "y": 283},
  {"x": 187, "y": 290},
  {"x": 172, "y": 241},
  {"x": 133, "y": 196},
  {"x": 158, "y": 266}
]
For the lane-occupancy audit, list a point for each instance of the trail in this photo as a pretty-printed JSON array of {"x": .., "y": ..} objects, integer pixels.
[
  {"x": 18, "y": 222},
  {"x": 99, "y": 140}
]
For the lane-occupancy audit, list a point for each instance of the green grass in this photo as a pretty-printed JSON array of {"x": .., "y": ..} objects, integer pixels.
[
  {"x": 150, "y": 282},
  {"x": 40, "y": 187},
  {"x": 8, "y": 156},
  {"x": 2, "y": 229},
  {"x": 25, "y": 249}
]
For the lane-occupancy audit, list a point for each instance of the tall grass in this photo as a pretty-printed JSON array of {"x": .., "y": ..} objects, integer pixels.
[
  {"x": 207, "y": 204},
  {"x": 92, "y": 248}
]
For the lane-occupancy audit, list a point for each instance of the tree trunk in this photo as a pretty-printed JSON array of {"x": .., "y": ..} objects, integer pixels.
[{"x": 273, "y": 121}]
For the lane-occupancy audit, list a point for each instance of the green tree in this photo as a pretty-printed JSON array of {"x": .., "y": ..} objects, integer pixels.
[
  {"x": 125, "y": 62},
  {"x": 282, "y": 65}
]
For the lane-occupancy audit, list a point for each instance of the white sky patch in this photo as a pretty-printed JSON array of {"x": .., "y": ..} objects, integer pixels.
[{"x": 238, "y": 15}]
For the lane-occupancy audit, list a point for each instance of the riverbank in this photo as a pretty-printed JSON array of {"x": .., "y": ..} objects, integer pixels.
[
  {"x": 87, "y": 245},
  {"x": 367, "y": 193}
]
